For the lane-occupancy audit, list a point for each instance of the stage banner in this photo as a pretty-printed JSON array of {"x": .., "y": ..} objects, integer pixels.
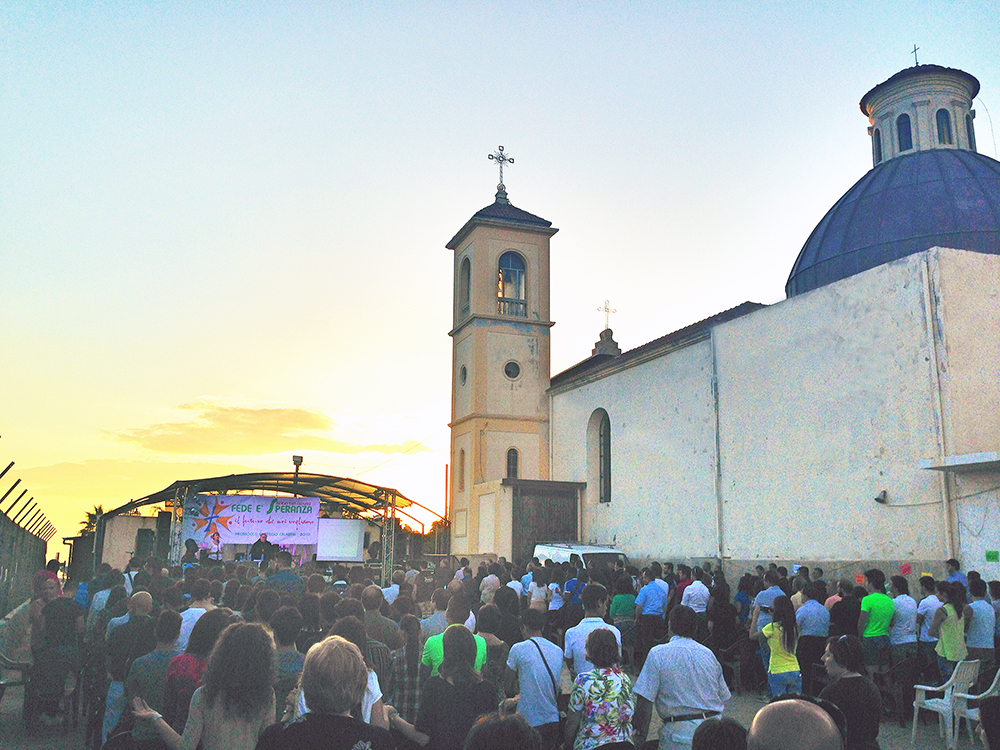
[{"x": 214, "y": 520}]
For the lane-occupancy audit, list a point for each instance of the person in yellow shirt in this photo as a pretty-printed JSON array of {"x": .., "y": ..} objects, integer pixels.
[{"x": 782, "y": 634}]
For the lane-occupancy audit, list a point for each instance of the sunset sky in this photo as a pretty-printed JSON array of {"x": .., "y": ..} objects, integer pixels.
[{"x": 223, "y": 224}]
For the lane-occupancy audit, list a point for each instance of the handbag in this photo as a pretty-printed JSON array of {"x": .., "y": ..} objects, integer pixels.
[{"x": 555, "y": 688}]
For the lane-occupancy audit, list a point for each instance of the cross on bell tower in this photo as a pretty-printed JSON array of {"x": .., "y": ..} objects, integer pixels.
[{"x": 501, "y": 158}]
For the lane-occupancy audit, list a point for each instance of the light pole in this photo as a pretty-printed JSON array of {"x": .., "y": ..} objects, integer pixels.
[{"x": 297, "y": 460}]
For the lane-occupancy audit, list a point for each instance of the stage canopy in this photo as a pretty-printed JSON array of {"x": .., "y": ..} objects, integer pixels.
[{"x": 352, "y": 496}]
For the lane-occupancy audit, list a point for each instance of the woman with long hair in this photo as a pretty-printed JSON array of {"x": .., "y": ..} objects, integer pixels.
[
  {"x": 185, "y": 671},
  {"x": 509, "y": 604},
  {"x": 553, "y": 623},
  {"x": 949, "y": 625},
  {"x": 231, "y": 595},
  {"x": 622, "y": 613},
  {"x": 782, "y": 635},
  {"x": 235, "y": 702},
  {"x": 743, "y": 601},
  {"x": 452, "y": 700},
  {"x": 852, "y": 692},
  {"x": 406, "y": 670},
  {"x": 312, "y": 630},
  {"x": 538, "y": 589},
  {"x": 495, "y": 669}
]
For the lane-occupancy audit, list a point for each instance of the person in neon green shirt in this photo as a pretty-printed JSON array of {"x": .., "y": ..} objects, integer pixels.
[
  {"x": 876, "y": 613},
  {"x": 433, "y": 654}
]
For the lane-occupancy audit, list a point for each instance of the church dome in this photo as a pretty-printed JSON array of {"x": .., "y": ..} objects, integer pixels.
[
  {"x": 929, "y": 187},
  {"x": 908, "y": 204}
]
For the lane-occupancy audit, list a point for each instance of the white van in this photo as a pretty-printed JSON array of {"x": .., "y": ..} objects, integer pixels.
[{"x": 561, "y": 552}]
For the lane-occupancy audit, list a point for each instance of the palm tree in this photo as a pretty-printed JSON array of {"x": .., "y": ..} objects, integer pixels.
[{"x": 89, "y": 525}]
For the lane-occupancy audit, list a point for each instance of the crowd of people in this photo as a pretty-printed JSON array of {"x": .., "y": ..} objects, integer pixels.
[{"x": 238, "y": 656}]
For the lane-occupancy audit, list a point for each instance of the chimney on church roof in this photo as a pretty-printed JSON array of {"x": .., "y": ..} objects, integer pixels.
[{"x": 606, "y": 344}]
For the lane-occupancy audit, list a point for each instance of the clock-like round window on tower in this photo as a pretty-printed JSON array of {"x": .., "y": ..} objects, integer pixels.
[
  {"x": 512, "y": 370},
  {"x": 463, "y": 375}
]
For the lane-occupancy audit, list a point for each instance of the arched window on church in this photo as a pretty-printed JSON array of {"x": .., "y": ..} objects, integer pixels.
[
  {"x": 464, "y": 286},
  {"x": 461, "y": 470},
  {"x": 510, "y": 286},
  {"x": 970, "y": 132},
  {"x": 903, "y": 133},
  {"x": 944, "y": 127},
  {"x": 877, "y": 146},
  {"x": 599, "y": 455},
  {"x": 512, "y": 463}
]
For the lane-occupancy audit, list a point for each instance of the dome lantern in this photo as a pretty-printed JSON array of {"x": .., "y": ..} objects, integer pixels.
[{"x": 921, "y": 108}]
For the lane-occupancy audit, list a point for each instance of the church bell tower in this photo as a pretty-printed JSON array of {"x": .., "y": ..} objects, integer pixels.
[{"x": 500, "y": 367}]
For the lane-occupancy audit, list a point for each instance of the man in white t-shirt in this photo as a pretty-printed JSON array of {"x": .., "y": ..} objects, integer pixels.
[
  {"x": 201, "y": 602},
  {"x": 696, "y": 593},
  {"x": 926, "y": 643},
  {"x": 979, "y": 636},
  {"x": 595, "y": 604},
  {"x": 537, "y": 666},
  {"x": 391, "y": 591},
  {"x": 903, "y": 626}
]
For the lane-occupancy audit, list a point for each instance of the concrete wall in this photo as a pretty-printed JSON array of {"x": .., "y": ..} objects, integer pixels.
[{"x": 662, "y": 456}]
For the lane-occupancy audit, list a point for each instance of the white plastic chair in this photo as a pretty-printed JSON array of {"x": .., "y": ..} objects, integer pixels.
[
  {"x": 962, "y": 680},
  {"x": 962, "y": 710}
]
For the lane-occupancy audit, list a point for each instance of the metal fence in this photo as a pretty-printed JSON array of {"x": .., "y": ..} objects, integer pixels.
[
  {"x": 22, "y": 554},
  {"x": 24, "y": 532}
]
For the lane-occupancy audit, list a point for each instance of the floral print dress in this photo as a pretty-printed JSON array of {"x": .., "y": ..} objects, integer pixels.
[{"x": 605, "y": 698}]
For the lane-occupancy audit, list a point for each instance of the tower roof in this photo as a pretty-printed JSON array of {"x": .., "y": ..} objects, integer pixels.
[
  {"x": 916, "y": 201},
  {"x": 502, "y": 212}
]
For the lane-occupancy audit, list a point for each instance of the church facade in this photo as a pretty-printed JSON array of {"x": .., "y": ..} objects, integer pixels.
[{"x": 855, "y": 422}]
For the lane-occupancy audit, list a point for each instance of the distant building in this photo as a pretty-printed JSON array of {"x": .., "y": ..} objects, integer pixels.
[{"x": 857, "y": 420}]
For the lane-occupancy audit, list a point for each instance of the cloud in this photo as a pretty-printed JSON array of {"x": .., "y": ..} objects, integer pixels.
[
  {"x": 218, "y": 429},
  {"x": 116, "y": 480}
]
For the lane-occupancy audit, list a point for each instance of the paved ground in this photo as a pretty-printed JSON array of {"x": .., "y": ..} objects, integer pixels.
[{"x": 742, "y": 708}]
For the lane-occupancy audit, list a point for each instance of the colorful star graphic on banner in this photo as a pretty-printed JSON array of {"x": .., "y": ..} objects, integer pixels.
[{"x": 212, "y": 520}]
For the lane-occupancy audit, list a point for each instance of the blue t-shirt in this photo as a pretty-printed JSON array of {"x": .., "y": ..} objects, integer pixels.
[
  {"x": 651, "y": 599},
  {"x": 957, "y": 577},
  {"x": 813, "y": 619},
  {"x": 766, "y": 599},
  {"x": 526, "y": 582}
]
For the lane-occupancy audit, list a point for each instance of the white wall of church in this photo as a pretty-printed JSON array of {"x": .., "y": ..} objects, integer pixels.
[
  {"x": 967, "y": 307},
  {"x": 825, "y": 400},
  {"x": 663, "y": 456}
]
